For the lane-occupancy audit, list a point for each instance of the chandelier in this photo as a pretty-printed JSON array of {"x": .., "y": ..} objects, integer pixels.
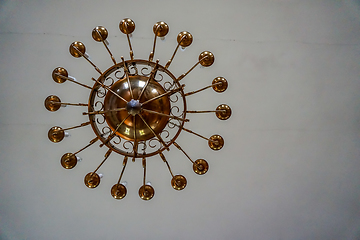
[{"x": 136, "y": 108}]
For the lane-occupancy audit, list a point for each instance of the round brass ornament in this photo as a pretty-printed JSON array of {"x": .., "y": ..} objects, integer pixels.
[
  {"x": 56, "y": 134},
  {"x": 184, "y": 39},
  {"x": 77, "y": 49},
  {"x": 127, "y": 26},
  {"x": 146, "y": 192},
  {"x": 92, "y": 180},
  {"x": 160, "y": 29},
  {"x": 206, "y": 59},
  {"x": 178, "y": 182},
  {"x": 99, "y": 34},
  {"x": 68, "y": 161},
  {"x": 225, "y": 112},
  {"x": 118, "y": 191},
  {"x": 52, "y": 103},
  {"x": 127, "y": 129},
  {"x": 222, "y": 86},
  {"x": 216, "y": 143},
  {"x": 60, "y": 71},
  {"x": 200, "y": 166}
]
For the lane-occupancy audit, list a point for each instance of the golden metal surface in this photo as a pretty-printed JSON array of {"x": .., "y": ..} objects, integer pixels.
[
  {"x": 127, "y": 26},
  {"x": 77, "y": 49},
  {"x": 206, "y": 59},
  {"x": 184, "y": 39},
  {"x": 160, "y": 29},
  {"x": 223, "y": 112},
  {"x": 156, "y": 121},
  {"x": 178, "y": 182},
  {"x": 220, "y": 84},
  {"x": 56, "y": 134},
  {"x": 68, "y": 160},
  {"x": 92, "y": 180},
  {"x": 200, "y": 166},
  {"x": 59, "y": 71},
  {"x": 216, "y": 142},
  {"x": 146, "y": 192},
  {"x": 118, "y": 191},
  {"x": 99, "y": 34},
  {"x": 52, "y": 103}
]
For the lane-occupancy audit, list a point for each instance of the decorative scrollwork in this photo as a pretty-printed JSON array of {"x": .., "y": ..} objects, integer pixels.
[
  {"x": 177, "y": 110},
  {"x": 128, "y": 142},
  {"x": 142, "y": 71},
  {"x": 113, "y": 140},
  {"x": 100, "y": 94},
  {"x": 119, "y": 74},
  {"x": 109, "y": 79},
  {"x": 96, "y": 106},
  {"x": 152, "y": 145},
  {"x": 102, "y": 121},
  {"x": 172, "y": 100},
  {"x": 133, "y": 69},
  {"x": 160, "y": 79},
  {"x": 168, "y": 85}
]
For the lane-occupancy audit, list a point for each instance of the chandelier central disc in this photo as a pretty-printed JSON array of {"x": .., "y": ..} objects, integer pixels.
[{"x": 142, "y": 114}]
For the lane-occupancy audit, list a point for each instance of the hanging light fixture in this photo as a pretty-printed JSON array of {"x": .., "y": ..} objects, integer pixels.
[{"x": 136, "y": 108}]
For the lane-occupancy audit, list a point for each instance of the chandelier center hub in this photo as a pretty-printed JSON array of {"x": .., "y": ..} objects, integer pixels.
[{"x": 133, "y": 107}]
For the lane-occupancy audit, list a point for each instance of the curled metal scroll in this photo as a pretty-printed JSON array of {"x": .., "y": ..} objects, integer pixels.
[
  {"x": 119, "y": 74},
  {"x": 129, "y": 142}
]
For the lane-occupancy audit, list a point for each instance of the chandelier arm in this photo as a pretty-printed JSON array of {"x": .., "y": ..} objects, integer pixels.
[
  {"x": 135, "y": 140},
  {"x": 210, "y": 111},
  {"x": 152, "y": 75},
  {"x": 114, "y": 132},
  {"x": 81, "y": 125},
  {"x": 69, "y": 104},
  {"x": 178, "y": 147},
  {"x": 103, "y": 41},
  {"x": 192, "y": 68},
  {"x": 72, "y": 80},
  {"x": 164, "y": 94},
  {"x": 189, "y": 131},
  {"x": 166, "y": 115},
  {"x": 87, "y": 58},
  {"x": 109, "y": 89},
  {"x": 144, "y": 166},
  {"x": 91, "y": 143},
  {"x": 107, "y": 154},
  {"x": 151, "y": 56},
  {"x": 102, "y": 112},
  {"x": 123, "y": 169},
  {"x": 156, "y": 135},
  {"x": 126, "y": 70},
  {"x": 164, "y": 159},
  {"x": 177, "y": 47},
  {"x": 202, "y": 89}
]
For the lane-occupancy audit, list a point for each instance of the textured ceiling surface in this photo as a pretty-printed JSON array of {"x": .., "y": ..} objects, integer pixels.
[{"x": 290, "y": 165}]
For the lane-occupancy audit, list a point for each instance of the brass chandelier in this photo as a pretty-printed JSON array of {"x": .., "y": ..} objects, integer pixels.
[{"x": 136, "y": 108}]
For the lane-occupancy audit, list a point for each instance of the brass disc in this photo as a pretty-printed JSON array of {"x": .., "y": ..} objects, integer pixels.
[
  {"x": 126, "y": 130},
  {"x": 146, "y": 192},
  {"x": 68, "y": 160},
  {"x": 118, "y": 191},
  {"x": 160, "y": 29},
  {"x": 178, "y": 182},
  {"x": 99, "y": 33},
  {"x": 61, "y": 71},
  {"x": 92, "y": 181},
  {"x": 80, "y": 46},
  {"x": 220, "y": 87},
  {"x": 200, "y": 166},
  {"x": 225, "y": 112},
  {"x": 218, "y": 142},
  {"x": 56, "y": 134},
  {"x": 127, "y": 26},
  {"x": 52, "y": 103},
  {"x": 208, "y": 60},
  {"x": 187, "y": 40}
]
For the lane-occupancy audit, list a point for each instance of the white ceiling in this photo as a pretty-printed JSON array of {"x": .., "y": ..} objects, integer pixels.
[{"x": 290, "y": 165}]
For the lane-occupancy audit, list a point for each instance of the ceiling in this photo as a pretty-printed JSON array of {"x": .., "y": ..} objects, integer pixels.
[{"x": 290, "y": 165}]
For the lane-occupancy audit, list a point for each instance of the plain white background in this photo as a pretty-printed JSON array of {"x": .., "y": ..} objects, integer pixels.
[{"x": 290, "y": 165}]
